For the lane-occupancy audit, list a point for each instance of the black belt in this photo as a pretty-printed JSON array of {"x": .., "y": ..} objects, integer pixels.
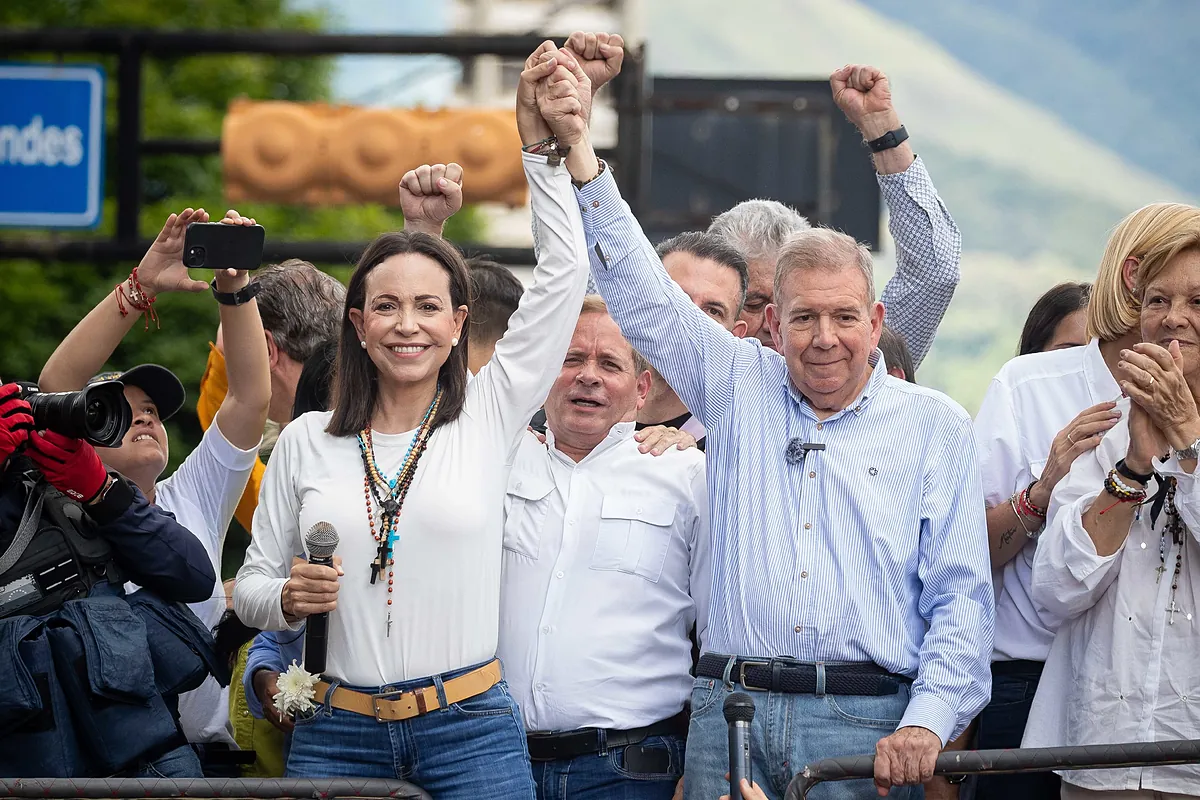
[
  {"x": 799, "y": 677},
  {"x": 590, "y": 741}
]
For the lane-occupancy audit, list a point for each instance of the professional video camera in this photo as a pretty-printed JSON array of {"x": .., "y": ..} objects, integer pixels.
[{"x": 98, "y": 414}]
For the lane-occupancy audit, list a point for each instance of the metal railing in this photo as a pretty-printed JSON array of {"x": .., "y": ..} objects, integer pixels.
[
  {"x": 320, "y": 788},
  {"x": 997, "y": 762}
]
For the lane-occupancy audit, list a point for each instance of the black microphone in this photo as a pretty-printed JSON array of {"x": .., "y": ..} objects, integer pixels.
[
  {"x": 320, "y": 541},
  {"x": 797, "y": 449},
  {"x": 739, "y": 711}
]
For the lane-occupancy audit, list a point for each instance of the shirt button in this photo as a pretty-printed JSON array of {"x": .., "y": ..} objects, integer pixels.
[
  {"x": 517, "y": 485},
  {"x": 540, "y": 687},
  {"x": 583, "y": 209},
  {"x": 807, "y": 525},
  {"x": 804, "y": 574},
  {"x": 820, "y": 425},
  {"x": 545, "y": 629},
  {"x": 558, "y": 574},
  {"x": 812, "y": 474},
  {"x": 570, "y": 522},
  {"x": 798, "y": 628}
]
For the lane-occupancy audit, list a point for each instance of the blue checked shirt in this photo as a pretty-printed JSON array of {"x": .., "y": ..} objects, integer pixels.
[
  {"x": 928, "y": 248},
  {"x": 874, "y": 549}
]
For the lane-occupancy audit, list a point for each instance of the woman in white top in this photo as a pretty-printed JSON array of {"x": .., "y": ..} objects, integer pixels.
[
  {"x": 1119, "y": 564},
  {"x": 411, "y": 468},
  {"x": 1041, "y": 412}
]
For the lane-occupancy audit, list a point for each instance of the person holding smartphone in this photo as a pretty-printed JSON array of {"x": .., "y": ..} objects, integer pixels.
[{"x": 203, "y": 493}]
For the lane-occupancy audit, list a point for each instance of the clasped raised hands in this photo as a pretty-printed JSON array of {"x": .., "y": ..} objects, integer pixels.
[{"x": 550, "y": 97}]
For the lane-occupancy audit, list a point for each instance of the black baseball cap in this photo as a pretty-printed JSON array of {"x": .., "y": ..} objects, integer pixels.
[{"x": 164, "y": 389}]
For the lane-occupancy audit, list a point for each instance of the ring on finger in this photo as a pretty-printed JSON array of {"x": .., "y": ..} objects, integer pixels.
[
  {"x": 1069, "y": 439},
  {"x": 1151, "y": 383}
]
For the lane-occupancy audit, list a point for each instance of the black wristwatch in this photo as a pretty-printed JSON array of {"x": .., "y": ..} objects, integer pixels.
[
  {"x": 240, "y": 297},
  {"x": 888, "y": 140}
]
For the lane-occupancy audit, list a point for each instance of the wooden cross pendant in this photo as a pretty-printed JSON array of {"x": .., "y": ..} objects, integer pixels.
[{"x": 381, "y": 558}]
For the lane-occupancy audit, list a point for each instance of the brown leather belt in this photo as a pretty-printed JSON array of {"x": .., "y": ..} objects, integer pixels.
[{"x": 395, "y": 706}]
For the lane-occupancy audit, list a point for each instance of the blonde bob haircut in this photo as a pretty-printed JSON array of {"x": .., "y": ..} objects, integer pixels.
[
  {"x": 1183, "y": 239},
  {"x": 1114, "y": 309}
]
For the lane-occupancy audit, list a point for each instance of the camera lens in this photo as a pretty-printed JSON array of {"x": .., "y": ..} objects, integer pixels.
[
  {"x": 195, "y": 256},
  {"x": 98, "y": 414}
]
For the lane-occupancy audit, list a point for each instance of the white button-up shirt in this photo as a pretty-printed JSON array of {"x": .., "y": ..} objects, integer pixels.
[
  {"x": 1030, "y": 400},
  {"x": 1123, "y": 668},
  {"x": 602, "y": 559}
]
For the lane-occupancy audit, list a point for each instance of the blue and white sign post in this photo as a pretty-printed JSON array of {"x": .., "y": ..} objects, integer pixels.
[{"x": 51, "y": 145}]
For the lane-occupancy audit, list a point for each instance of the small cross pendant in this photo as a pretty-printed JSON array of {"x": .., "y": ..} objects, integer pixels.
[
  {"x": 1171, "y": 613},
  {"x": 389, "y": 625},
  {"x": 1161, "y": 569}
]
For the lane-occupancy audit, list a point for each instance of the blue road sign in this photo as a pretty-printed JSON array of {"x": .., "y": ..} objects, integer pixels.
[{"x": 51, "y": 145}]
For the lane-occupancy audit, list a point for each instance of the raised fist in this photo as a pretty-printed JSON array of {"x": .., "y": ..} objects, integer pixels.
[
  {"x": 561, "y": 101},
  {"x": 864, "y": 96},
  {"x": 430, "y": 195},
  {"x": 600, "y": 55}
]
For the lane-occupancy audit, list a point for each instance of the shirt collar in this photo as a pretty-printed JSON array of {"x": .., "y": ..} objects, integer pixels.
[
  {"x": 621, "y": 432},
  {"x": 1101, "y": 383},
  {"x": 879, "y": 374}
]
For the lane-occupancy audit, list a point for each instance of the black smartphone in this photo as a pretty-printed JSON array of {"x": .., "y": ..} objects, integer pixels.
[{"x": 216, "y": 245}]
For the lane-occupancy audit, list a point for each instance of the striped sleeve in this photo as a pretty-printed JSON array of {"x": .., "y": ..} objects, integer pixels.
[{"x": 698, "y": 358}]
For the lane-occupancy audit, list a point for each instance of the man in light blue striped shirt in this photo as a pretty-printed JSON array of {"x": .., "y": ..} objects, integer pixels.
[{"x": 851, "y": 589}]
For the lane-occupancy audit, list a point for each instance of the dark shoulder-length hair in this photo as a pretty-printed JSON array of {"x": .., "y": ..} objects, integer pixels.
[
  {"x": 1050, "y": 309},
  {"x": 356, "y": 380}
]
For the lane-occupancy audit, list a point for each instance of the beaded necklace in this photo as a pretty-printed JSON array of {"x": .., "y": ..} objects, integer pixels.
[
  {"x": 1175, "y": 527},
  {"x": 389, "y": 496}
]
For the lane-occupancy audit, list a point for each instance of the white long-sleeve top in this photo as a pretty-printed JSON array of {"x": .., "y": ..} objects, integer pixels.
[
  {"x": 1030, "y": 400},
  {"x": 1118, "y": 671},
  {"x": 605, "y": 570},
  {"x": 446, "y": 596}
]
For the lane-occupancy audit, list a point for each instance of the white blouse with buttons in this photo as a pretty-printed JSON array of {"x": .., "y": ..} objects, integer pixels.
[{"x": 605, "y": 570}]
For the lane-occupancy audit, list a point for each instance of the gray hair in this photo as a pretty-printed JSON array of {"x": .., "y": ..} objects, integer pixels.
[
  {"x": 301, "y": 306},
  {"x": 758, "y": 228},
  {"x": 824, "y": 249}
]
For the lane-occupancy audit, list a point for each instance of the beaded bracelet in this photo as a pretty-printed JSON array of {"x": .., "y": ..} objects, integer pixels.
[{"x": 1123, "y": 492}]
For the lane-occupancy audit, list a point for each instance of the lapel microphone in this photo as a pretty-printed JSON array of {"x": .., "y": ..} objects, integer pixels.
[{"x": 798, "y": 449}]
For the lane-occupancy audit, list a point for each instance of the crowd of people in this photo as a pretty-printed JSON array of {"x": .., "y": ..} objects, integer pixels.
[{"x": 574, "y": 519}]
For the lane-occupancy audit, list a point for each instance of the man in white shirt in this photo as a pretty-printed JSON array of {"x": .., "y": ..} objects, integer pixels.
[{"x": 604, "y": 552}]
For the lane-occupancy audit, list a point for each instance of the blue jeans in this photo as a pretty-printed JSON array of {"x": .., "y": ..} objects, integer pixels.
[
  {"x": 789, "y": 731},
  {"x": 464, "y": 751},
  {"x": 181, "y": 762},
  {"x": 1001, "y": 724},
  {"x": 605, "y": 776}
]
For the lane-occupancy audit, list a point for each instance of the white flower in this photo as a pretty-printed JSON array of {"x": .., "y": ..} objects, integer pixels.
[{"x": 296, "y": 691}]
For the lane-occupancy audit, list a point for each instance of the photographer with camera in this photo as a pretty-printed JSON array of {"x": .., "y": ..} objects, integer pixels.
[
  {"x": 204, "y": 491},
  {"x": 85, "y": 673}
]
